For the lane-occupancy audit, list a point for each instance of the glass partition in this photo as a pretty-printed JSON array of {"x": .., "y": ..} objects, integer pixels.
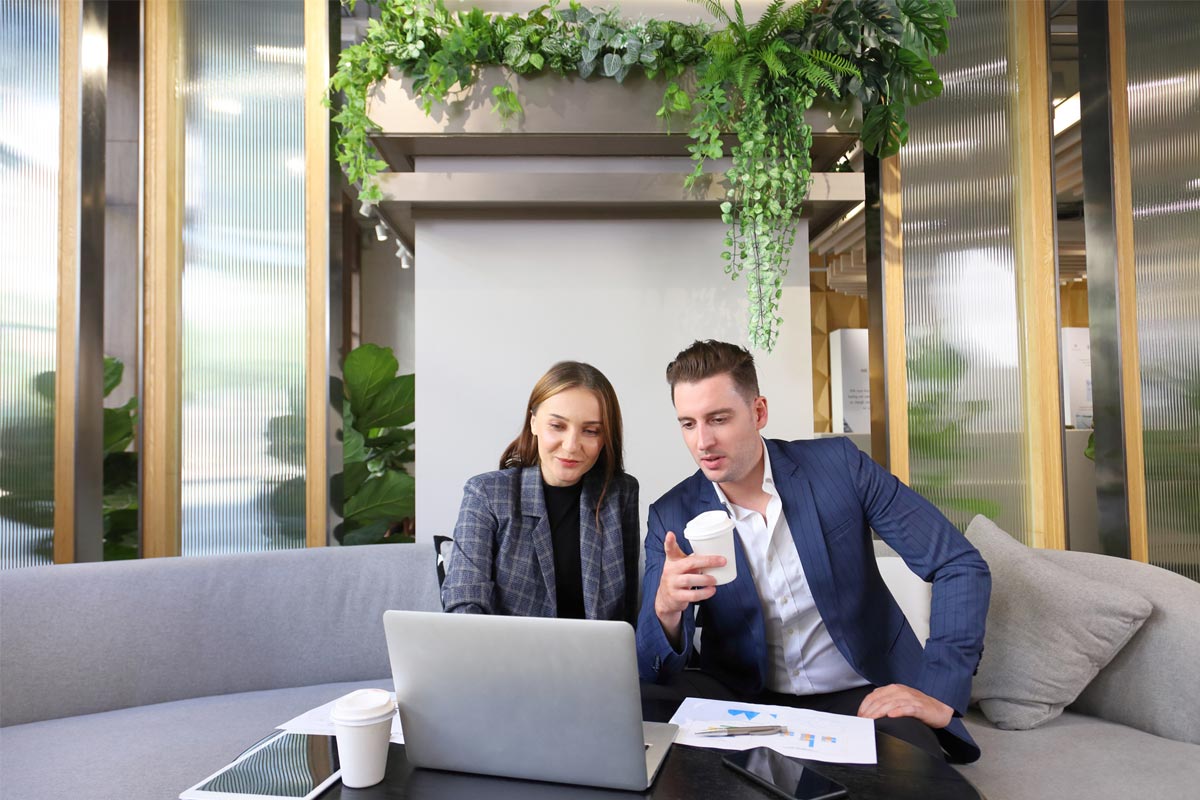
[
  {"x": 29, "y": 138},
  {"x": 1163, "y": 72},
  {"x": 243, "y": 280},
  {"x": 961, "y": 325}
]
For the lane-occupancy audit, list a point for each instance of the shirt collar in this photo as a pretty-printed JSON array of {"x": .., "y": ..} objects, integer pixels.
[{"x": 768, "y": 486}]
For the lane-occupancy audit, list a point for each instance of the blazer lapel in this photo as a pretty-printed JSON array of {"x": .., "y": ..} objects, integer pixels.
[
  {"x": 800, "y": 508},
  {"x": 601, "y": 552},
  {"x": 533, "y": 507},
  {"x": 589, "y": 549}
]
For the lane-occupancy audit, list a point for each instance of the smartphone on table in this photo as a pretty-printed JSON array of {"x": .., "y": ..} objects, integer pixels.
[{"x": 784, "y": 776}]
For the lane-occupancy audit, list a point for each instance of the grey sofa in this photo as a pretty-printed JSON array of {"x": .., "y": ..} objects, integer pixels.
[
  {"x": 137, "y": 679},
  {"x": 1133, "y": 732}
]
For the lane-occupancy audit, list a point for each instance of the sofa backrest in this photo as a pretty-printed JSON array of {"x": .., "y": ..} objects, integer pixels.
[
  {"x": 84, "y": 638},
  {"x": 1151, "y": 683},
  {"x": 913, "y": 595}
]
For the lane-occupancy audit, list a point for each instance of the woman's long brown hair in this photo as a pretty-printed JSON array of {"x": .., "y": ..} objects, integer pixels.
[{"x": 523, "y": 450}]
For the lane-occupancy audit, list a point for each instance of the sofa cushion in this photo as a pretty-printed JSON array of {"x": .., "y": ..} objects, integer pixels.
[
  {"x": 152, "y": 752},
  {"x": 1150, "y": 684},
  {"x": 1077, "y": 756},
  {"x": 1049, "y": 631}
]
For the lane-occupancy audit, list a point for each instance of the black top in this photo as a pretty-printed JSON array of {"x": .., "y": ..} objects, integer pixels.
[{"x": 562, "y": 506}]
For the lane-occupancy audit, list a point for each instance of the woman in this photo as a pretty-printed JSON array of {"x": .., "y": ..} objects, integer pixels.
[{"x": 553, "y": 532}]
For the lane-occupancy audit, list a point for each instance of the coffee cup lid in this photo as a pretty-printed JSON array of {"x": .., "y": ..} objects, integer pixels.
[
  {"x": 708, "y": 525},
  {"x": 363, "y": 707}
]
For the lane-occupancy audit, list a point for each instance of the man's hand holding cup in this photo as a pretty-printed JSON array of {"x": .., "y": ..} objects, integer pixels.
[{"x": 690, "y": 579}]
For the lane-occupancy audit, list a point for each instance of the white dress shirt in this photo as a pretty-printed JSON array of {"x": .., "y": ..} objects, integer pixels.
[{"x": 801, "y": 656}]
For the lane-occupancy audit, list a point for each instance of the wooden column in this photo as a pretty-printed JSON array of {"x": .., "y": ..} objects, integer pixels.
[
  {"x": 895, "y": 353},
  {"x": 66, "y": 360},
  {"x": 1036, "y": 278},
  {"x": 163, "y": 271},
  {"x": 1126, "y": 286},
  {"x": 316, "y": 259}
]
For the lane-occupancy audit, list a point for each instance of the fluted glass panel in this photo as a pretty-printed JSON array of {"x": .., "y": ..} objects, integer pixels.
[
  {"x": 961, "y": 328},
  {"x": 29, "y": 108},
  {"x": 243, "y": 279},
  {"x": 1163, "y": 66}
]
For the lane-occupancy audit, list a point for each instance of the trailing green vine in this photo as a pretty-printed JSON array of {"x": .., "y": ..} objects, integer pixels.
[{"x": 754, "y": 81}]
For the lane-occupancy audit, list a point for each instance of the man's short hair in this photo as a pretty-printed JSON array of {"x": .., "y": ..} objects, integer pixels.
[{"x": 709, "y": 358}]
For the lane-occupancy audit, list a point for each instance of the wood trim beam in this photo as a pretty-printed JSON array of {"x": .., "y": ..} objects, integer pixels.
[
  {"x": 661, "y": 190},
  {"x": 1037, "y": 281},
  {"x": 895, "y": 352},
  {"x": 316, "y": 266},
  {"x": 67, "y": 331},
  {"x": 163, "y": 270},
  {"x": 1131, "y": 382}
]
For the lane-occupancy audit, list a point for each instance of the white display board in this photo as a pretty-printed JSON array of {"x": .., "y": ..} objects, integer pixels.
[
  {"x": 850, "y": 381},
  {"x": 498, "y": 300},
  {"x": 1077, "y": 377}
]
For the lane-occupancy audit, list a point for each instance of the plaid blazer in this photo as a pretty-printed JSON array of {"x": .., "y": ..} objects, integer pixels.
[{"x": 502, "y": 561}]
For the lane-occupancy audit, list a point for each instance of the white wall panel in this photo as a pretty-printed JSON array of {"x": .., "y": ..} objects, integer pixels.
[{"x": 499, "y": 300}]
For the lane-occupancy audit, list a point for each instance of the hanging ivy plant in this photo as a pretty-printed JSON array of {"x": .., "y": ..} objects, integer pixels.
[{"x": 754, "y": 81}]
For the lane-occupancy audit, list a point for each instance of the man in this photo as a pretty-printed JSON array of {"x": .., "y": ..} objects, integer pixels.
[{"x": 808, "y": 622}]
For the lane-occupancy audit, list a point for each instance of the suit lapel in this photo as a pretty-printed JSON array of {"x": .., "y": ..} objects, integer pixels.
[
  {"x": 590, "y": 549},
  {"x": 800, "y": 508},
  {"x": 533, "y": 507}
]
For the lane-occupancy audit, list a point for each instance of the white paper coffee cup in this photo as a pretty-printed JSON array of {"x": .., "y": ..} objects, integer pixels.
[
  {"x": 362, "y": 721},
  {"x": 711, "y": 534}
]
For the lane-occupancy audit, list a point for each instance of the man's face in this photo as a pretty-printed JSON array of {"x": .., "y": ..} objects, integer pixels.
[{"x": 720, "y": 427}]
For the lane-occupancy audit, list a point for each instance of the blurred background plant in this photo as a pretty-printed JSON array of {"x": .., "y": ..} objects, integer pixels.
[
  {"x": 938, "y": 418},
  {"x": 34, "y": 506}
]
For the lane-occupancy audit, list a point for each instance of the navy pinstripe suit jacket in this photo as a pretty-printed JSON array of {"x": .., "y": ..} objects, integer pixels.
[
  {"x": 833, "y": 495},
  {"x": 503, "y": 556}
]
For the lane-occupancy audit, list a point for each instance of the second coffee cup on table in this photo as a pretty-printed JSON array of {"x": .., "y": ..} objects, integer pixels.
[
  {"x": 711, "y": 534},
  {"x": 363, "y": 723}
]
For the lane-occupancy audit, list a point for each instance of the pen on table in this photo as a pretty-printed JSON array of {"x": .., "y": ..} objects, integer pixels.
[{"x": 744, "y": 730}]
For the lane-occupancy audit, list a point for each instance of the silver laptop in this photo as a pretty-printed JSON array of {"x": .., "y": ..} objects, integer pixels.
[{"x": 523, "y": 697}]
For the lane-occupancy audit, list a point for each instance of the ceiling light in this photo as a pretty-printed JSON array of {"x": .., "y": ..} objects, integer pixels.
[{"x": 1066, "y": 114}]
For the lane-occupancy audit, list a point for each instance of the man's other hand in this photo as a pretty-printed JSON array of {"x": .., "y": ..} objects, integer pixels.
[
  {"x": 898, "y": 700},
  {"x": 682, "y": 583}
]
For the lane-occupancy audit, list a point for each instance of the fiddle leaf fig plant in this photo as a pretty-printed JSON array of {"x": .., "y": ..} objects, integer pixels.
[
  {"x": 753, "y": 80},
  {"x": 378, "y": 497}
]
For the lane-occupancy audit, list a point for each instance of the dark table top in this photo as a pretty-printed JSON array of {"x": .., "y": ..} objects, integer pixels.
[{"x": 688, "y": 773}]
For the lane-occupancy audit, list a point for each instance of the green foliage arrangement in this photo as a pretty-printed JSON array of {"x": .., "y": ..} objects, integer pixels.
[
  {"x": 378, "y": 495},
  {"x": 754, "y": 81}
]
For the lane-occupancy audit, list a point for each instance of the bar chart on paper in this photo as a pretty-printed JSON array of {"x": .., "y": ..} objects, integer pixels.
[{"x": 809, "y": 734}]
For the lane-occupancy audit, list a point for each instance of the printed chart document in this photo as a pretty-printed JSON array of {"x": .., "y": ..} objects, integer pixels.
[
  {"x": 317, "y": 721},
  {"x": 814, "y": 735}
]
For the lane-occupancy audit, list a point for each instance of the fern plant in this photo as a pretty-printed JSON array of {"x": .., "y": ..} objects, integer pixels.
[{"x": 758, "y": 83}]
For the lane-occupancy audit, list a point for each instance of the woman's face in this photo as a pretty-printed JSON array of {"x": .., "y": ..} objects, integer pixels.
[{"x": 569, "y": 435}]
